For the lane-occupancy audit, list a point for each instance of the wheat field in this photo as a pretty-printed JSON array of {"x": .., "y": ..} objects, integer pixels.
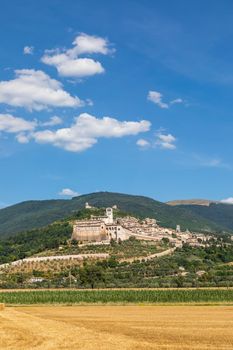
[{"x": 116, "y": 327}]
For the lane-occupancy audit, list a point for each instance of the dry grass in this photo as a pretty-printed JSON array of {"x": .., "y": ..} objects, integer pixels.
[
  {"x": 2, "y": 306},
  {"x": 117, "y": 327}
]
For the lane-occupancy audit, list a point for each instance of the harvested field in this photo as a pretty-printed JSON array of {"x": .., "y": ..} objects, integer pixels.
[{"x": 117, "y": 327}]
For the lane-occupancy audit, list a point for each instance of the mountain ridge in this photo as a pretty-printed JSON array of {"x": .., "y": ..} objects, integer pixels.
[{"x": 31, "y": 214}]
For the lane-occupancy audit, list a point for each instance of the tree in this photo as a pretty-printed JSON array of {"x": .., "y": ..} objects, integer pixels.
[
  {"x": 91, "y": 275},
  {"x": 179, "y": 282},
  {"x": 165, "y": 240}
]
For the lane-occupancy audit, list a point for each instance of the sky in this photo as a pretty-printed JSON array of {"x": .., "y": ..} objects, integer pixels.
[{"x": 125, "y": 96}]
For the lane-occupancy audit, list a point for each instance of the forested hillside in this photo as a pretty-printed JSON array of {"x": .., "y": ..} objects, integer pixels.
[
  {"x": 35, "y": 214},
  {"x": 221, "y": 214}
]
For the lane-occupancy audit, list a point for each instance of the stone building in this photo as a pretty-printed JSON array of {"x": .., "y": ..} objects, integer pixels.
[
  {"x": 99, "y": 228},
  {"x": 107, "y": 218},
  {"x": 104, "y": 228},
  {"x": 88, "y": 206},
  {"x": 89, "y": 230}
]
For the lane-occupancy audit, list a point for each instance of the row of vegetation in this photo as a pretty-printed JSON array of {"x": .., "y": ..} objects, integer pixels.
[
  {"x": 118, "y": 296},
  {"x": 123, "y": 249},
  {"x": 187, "y": 267}
]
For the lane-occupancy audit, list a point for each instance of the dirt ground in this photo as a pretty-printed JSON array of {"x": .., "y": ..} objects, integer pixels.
[{"x": 116, "y": 327}]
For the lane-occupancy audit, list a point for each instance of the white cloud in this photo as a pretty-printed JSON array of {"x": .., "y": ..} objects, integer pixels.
[
  {"x": 165, "y": 141},
  {"x": 87, "y": 129},
  {"x": 28, "y": 50},
  {"x": 69, "y": 64},
  {"x": 68, "y": 192},
  {"x": 89, "y": 44},
  {"x": 177, "y": 100},
  {"x": 142, "y": 143},
  {"x": 35, "y": 90},
  {"x": 79, "y": 68},
  {"x": 162, "y": 140},
  {"x": 55, "y": 120},
  {"x": 156, "y": 97},
  {"x": 227, "y": 200},
  {"x": 11, "y": 124},
  {"x": 23, "y": 137},
  {"x": 19, "y": 126}
]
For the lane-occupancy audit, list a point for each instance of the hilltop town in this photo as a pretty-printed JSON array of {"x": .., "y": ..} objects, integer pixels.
[
  {"x": 119, "y": 248},
  {"x": 107, "y": 227}
]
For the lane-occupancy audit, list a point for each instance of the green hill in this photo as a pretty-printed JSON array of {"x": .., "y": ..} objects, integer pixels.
[
  {"x": 35, "y": 214},
  {"x": 219, "y": 213},
  {"x": 27, "y": 243}
]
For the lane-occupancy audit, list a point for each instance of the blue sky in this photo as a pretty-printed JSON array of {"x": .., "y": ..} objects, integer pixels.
[{"x": 126, "y": 96}]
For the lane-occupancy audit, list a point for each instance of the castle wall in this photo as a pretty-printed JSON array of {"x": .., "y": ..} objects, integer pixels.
[{"x": 89, "y": 231}]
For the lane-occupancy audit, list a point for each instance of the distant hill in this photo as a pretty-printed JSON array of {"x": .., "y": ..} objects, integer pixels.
[
  {"x": 35, "y": 214},
  {"x": 205, "y": 202},
  {"x": 219, "y": 213}
]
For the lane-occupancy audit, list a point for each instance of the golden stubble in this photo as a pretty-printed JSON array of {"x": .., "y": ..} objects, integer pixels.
[{"x": 117, "y": 327}]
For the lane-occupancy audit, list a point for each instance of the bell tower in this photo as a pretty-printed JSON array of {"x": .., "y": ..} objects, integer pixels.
[{"x": 109, "y": 214}]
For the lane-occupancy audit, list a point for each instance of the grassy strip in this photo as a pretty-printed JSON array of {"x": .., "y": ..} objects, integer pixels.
[{"x": 117, "y": 296}]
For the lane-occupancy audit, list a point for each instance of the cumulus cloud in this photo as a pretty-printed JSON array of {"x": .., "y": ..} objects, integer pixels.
[
  {"x": 227, "y": 200},
  {"x": 35, "y": 90},
  {"x": 165, "y": 141},
  {"x": 89, "y": 44},
  {"x": 87, "y": 129},
  {"x": 68, "y": 192},
  {"x": 11, "y": 124},
  {"x": 162, "y": 140},
  {"x": 78, "y": 68},
  {"x": 142, "y": 143},
  {"x": 68, "y": 62},
  {"x": 28, "y": 50},
  {"x": 157, "y": 98},
  {"x": 55, "y": 120}
]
